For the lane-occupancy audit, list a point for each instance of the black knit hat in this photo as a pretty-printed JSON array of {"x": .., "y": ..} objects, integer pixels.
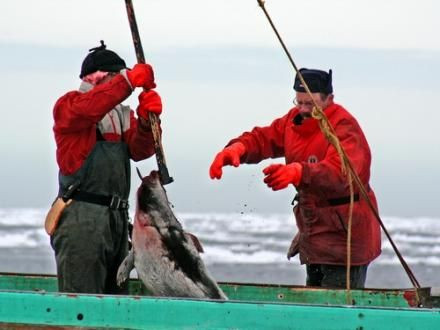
[
  {"x": 318, "y": 81},
  {"x": 101, "y": 59}
]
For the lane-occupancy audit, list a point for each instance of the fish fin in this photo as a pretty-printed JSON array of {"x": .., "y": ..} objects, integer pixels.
[
  {"x": 125, "y": 268},
  {"x": 196, "y": 242}
]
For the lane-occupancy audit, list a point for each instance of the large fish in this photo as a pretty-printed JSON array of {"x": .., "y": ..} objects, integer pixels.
[{"x": 166, "y": 258}]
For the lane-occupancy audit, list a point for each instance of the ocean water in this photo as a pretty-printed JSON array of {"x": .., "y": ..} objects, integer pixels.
[{"x": 241, "y": 247}]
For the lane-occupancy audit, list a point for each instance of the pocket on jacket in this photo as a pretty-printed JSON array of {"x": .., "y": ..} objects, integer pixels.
[
  {"x": 338, "y": 221},
  {"x": 340, "y": 215}
]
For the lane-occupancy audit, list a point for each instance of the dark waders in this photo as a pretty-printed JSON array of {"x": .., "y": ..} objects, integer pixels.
[
  {"x": 91, "y": 239},
  {"x": 333, "y": 276}
]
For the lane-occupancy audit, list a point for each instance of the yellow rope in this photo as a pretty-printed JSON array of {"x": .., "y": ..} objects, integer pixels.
[
  {"x": 348, "y": 169},
  {"x": 330, "y": 135},
  {"x": 345, "y": 165}
]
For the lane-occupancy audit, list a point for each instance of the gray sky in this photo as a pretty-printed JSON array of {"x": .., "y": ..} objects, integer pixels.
[{"x": 221, "y": 71}]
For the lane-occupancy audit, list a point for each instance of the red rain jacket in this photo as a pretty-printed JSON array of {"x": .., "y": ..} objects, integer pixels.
[
  {"x": 322, "y": 227},
  {"x": 77, "y": 114}
]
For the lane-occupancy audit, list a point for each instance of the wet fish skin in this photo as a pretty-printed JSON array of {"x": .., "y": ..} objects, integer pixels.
[{"x": 165, "y": 257}]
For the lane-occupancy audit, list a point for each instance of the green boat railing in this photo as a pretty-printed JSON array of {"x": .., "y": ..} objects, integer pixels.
[
  {"x": 29, "y": 301},
  {"x": 255, "y": 292}
]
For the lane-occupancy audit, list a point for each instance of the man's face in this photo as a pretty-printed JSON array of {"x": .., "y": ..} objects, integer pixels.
[
  {"x": 108, "y": 77},
  {"x": 305, "y": 104}
]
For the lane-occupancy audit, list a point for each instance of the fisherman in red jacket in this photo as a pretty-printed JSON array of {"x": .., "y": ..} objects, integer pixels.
[
  {"x": 313, "y": 167},
  {"x": 96, "y": 136}
]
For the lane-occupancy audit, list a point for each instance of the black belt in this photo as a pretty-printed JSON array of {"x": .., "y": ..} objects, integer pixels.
[
  {"x": 346, "y": 199},
  {"x": 342, "y": 200},
  {"x": 114, "y": 202},
  {"x": 333, "y": 201}
]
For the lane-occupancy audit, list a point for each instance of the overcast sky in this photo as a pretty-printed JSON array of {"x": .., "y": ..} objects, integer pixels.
[{"x": 220, "y": 71}]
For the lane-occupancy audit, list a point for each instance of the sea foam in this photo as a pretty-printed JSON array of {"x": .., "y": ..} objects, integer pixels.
[{"x": 244, "y": 238}]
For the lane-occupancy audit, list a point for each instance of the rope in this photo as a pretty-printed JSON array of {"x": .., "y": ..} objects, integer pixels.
[
  {"x": 331, "y": 136},
  {"x": 346, "y": 169}
]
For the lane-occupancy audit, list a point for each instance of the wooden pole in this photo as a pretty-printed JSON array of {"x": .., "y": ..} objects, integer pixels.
[{"x": 154, "y": 120}]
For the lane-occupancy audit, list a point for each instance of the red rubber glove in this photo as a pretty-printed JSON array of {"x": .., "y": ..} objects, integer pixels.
[
  {"x": 279, "y": 176},
  {"x": 149, "y": 101},
  {"x": 141, "y": 75},
  {"x": 228, "y": 156}
]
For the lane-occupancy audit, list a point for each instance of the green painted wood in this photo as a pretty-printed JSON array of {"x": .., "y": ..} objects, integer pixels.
[
  {"x": 245, "y": 292},
  {"x": 133, "y": 312},
  {"x": 28, "y": 282},
  {"x": 286, "y": 294}
]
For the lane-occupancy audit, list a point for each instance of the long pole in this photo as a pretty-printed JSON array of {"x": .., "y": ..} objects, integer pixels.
[{"x": 154, "y": 121}]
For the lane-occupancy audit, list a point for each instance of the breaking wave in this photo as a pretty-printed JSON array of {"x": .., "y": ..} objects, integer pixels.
[{"x": 244, "y": 238}]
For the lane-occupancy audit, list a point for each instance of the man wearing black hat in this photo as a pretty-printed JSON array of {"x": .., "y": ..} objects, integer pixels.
[
  {"x": 313, "y": 167},
  {"x": 96, "y": 136}
]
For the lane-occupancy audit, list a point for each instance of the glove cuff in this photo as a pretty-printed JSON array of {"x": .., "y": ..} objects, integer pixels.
[
  {"x": 123, "y": 72},
  {"x": 298, "y": 173}
]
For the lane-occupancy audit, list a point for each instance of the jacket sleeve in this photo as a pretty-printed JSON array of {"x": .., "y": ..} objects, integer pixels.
[
  {"x": 326, "y": 175},
  {"x": 140, "y": 138},
  {"x": 76, "y": 111},
  {"x": 263, "y": 142}
]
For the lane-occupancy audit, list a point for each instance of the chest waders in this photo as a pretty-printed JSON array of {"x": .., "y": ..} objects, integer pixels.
[{"x": 91, "y": 239}]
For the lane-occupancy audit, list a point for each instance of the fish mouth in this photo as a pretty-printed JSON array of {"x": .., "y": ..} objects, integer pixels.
[{"x": 153, "y": 177}]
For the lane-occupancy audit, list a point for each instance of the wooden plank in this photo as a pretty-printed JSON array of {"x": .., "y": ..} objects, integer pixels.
[
  {"x": 133, "y": 312},
  {"x": 247, "y": 292}
]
